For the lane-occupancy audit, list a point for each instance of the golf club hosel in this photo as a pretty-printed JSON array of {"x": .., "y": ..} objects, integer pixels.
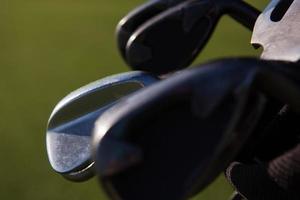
[
  {"x": 239, "y": 10},
  {"x": 243, "y": 13}
]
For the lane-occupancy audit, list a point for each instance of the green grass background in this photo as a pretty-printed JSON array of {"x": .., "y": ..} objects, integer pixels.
[{"x": 49, "y": 48}]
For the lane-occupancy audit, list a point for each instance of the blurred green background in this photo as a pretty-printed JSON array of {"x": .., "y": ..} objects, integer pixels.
[{"x": 49, "y": 48}]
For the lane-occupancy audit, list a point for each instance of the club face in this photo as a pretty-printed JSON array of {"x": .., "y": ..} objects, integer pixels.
[
  {"x": 171, "y": 40},
  {"x": 137, "y": 17},
  {"x": 165, "y": 165},
  {"x": 72, "y": 121}
]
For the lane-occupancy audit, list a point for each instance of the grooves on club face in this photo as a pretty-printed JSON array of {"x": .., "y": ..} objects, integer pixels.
[
  {"x": 72, "y": 121},
  {"x": 172, "y": 39},
  {"x": 211, "y": 110},
  {"x": 137, "y": 17}
]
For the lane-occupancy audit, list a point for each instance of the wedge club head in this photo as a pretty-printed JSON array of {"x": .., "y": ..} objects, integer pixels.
[
  {"x": 172, "y": 39},
  {"x": 173, "y": 138},
  {"x": 72, "y": 121}
]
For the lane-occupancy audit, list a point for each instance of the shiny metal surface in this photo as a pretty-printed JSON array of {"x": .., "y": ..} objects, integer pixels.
[
  {"x": 72, "y": 121},
  {"x": 279, "y": 39}
]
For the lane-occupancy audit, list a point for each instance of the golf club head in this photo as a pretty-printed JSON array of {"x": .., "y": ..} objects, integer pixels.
[
  {"x": 137, "y": 17},
  {"x": 172, "y": 39},
  {"x": 175, "y": 137},
  {"x": 72, "y": 121},
  {"x": 281, "y": 21}
]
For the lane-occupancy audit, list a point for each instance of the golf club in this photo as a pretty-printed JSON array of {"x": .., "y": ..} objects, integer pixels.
[
  {"x": 72, "y": 121},
  {"x": 281, "y": 21},
  {"x": 172, "y": 39},
  {"x": 175, "y": 137}
]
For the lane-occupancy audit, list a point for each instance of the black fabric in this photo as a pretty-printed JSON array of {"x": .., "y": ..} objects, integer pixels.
[
  {"x": 254, "y": 183},
  {"x": 285, "y": 170},
  {"x": 274, "y": 171}
]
